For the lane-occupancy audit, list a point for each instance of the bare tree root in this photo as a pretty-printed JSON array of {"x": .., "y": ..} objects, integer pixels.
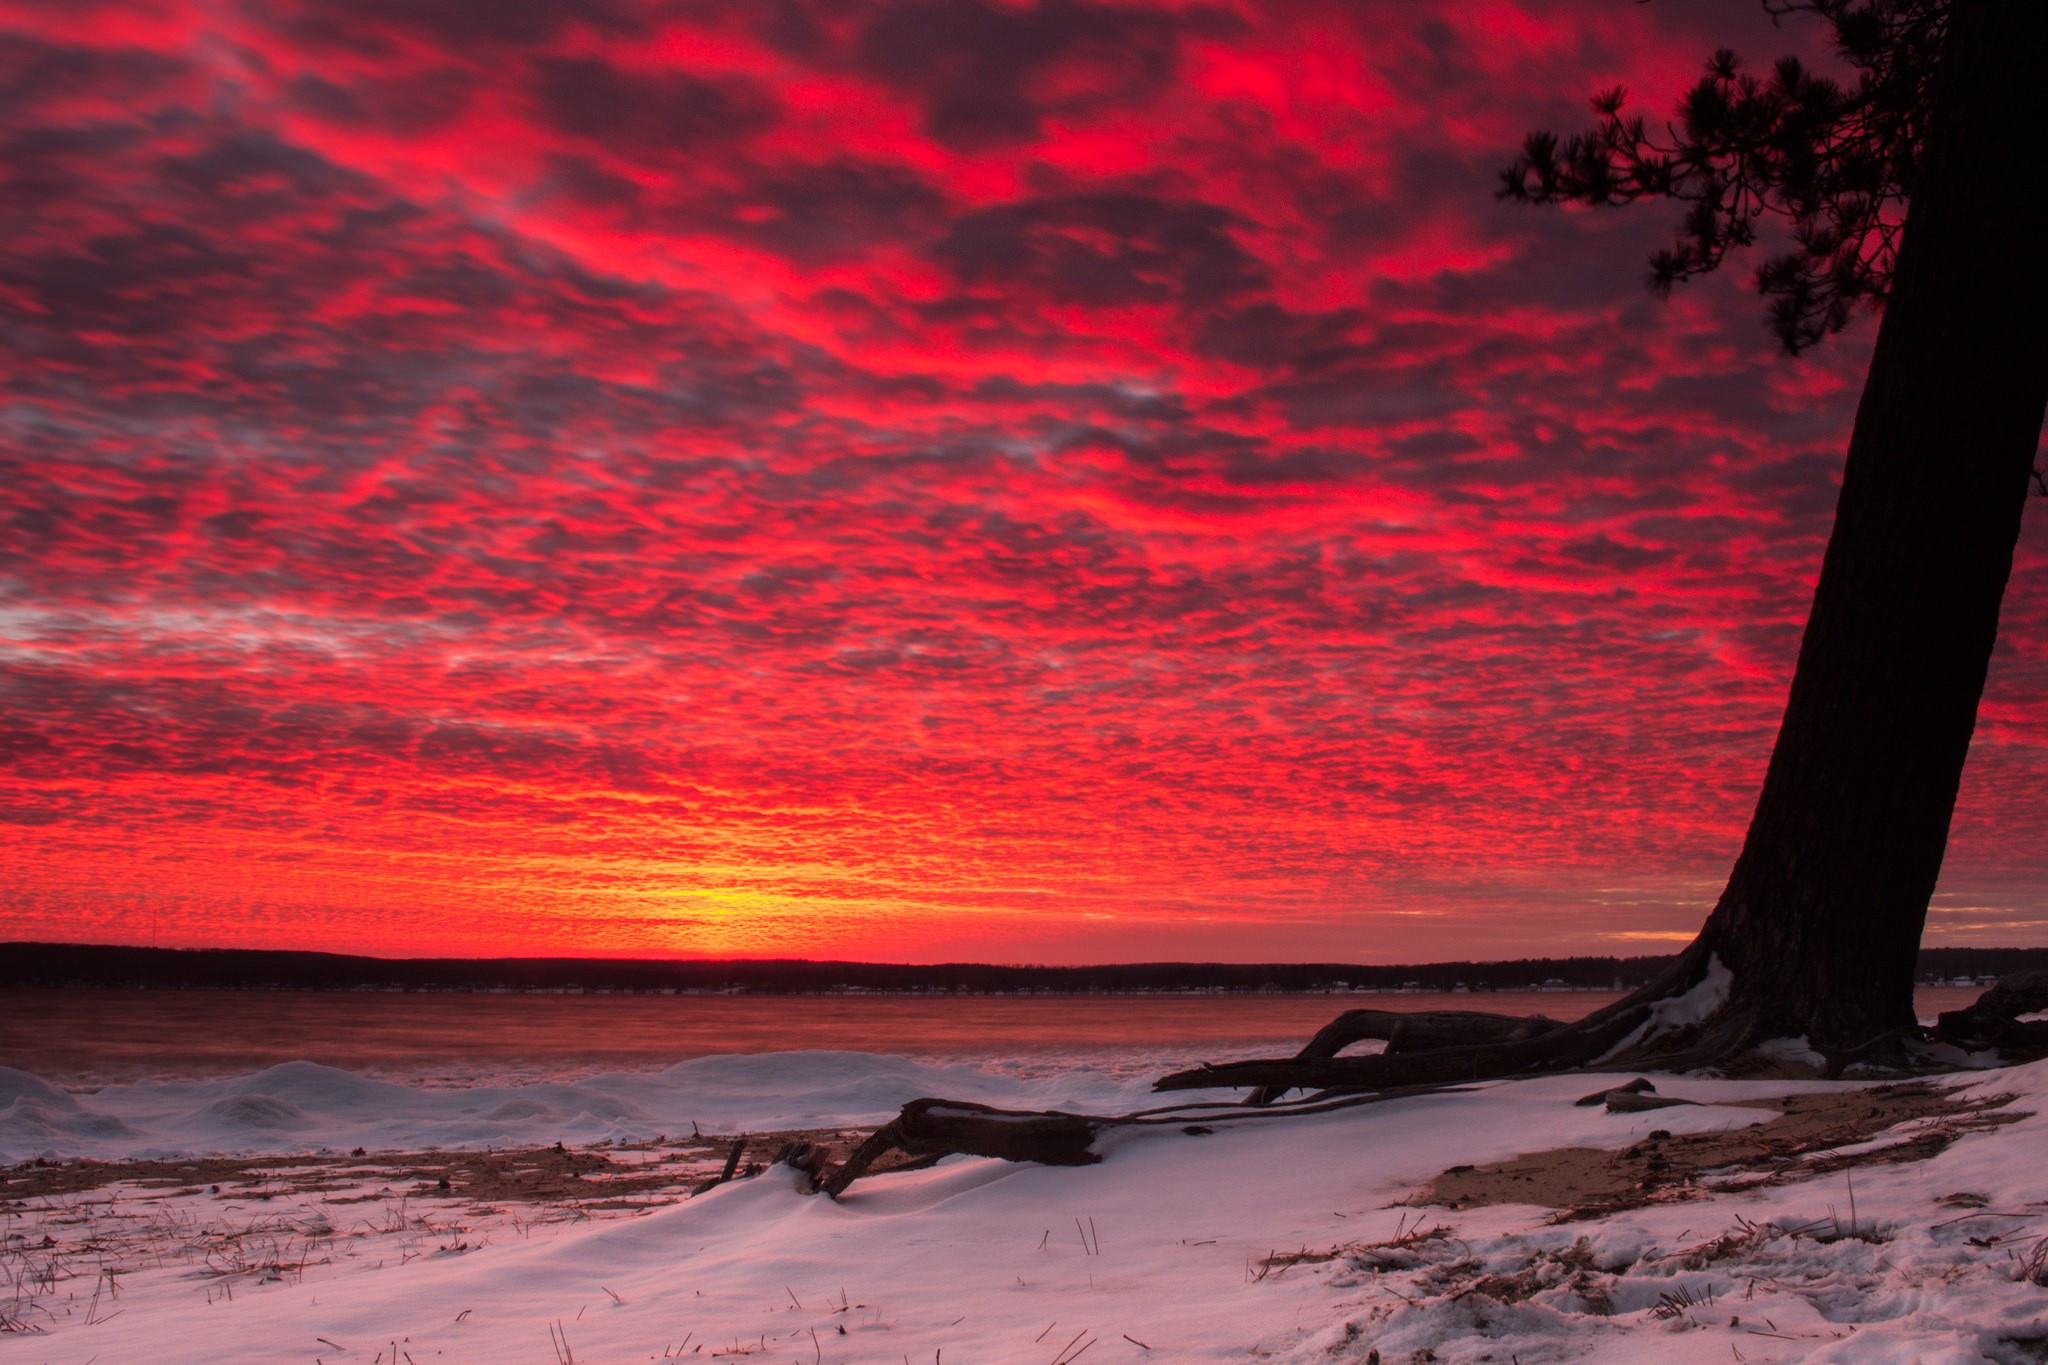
[
  {"x": 1630, "y": 1034},
  {"x": 1558, "y": 1048},
  {"x": 1453, "y": 1047},
  {"x": 1410, "y": 1033},
  {"x": 1422, "y": 1031},
  {"x": 1503, "y": 1046},
  {"x": 1649, "y": 1029},
  {"x": 1994, "y": 1021}
]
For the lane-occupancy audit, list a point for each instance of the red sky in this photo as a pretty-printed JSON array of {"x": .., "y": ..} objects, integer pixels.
[{"x": 895, "y": 479}]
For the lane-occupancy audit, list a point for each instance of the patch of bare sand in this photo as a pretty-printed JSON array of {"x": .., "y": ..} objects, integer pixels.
[
  {"x": 1813, "y": 1135},
  {"x": 607, "y": 1176},
  {"x": 230, "y": 1221}
]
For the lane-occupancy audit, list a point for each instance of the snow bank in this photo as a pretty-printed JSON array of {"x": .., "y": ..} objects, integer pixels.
[{"x": 1164, "y": 1252}]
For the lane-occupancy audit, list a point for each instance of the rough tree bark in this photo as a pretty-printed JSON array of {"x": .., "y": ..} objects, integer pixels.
[{"x": 1822, "y": 917}]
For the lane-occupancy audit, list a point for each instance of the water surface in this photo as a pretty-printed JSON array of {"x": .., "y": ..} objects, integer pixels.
[{"x": 88, "y": 1037}]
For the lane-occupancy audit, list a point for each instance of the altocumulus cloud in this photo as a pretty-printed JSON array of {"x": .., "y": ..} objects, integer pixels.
[{"x": 918, "y": 479}]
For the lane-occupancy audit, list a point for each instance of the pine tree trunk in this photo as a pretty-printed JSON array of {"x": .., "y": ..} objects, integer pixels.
[{"x": 1822, "y": 916}]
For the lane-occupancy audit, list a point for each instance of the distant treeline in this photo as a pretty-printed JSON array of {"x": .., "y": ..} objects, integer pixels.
[{"x": 99, "y": 965}]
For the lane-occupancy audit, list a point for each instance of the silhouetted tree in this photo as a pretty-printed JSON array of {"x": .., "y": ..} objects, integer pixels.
[
  {"x": 1837, "y": 165},
  {"x": 1917, "y": 191}
]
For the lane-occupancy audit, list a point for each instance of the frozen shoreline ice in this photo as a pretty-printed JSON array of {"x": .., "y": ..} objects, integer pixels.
[{"x": 303, "y": 1106}]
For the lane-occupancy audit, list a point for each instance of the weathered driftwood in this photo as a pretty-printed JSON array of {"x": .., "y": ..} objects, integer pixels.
[
  {"x": 1639, "y": 1086},
  {"x": 932, "y": 1127},
  {"x": 928, "y": 1129},
  {"x": 1994, "y": 1020},
  {"x": 1641, "y": 1102},
  {"x": 808, "y": 1158},
  {"x": 732, "y": 1167}
]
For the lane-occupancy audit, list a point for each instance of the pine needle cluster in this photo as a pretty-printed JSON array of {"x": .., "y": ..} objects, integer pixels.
[{"x": 1835, "y": 163}]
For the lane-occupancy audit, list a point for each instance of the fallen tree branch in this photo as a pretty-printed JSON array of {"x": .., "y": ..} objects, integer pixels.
[
  {"x": 732, "y": 1166},
  {"x": 931, "y": 1128},
  {"x": 934, "y": 1127}
]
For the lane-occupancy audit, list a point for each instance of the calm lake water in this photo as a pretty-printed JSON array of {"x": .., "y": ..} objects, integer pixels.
[{"x": 97, "y": 1037}]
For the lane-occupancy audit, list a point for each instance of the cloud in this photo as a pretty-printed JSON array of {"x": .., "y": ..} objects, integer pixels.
[
  {"x": 644, "y": 117},
  {"x": 890, "y": 470},
  {"x": 992, "y": 74}
]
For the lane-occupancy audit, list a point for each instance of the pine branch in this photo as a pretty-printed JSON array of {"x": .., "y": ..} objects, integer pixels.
[{"x": 1836, "y": 165}]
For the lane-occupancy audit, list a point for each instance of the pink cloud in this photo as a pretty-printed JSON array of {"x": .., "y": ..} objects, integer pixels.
[{"x": 888, "y": 480}]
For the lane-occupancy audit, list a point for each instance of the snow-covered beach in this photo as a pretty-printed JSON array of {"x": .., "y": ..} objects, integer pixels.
[{"x": 1851, "y": 1235}]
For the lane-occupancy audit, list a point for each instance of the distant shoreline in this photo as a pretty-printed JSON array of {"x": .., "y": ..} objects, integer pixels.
[{"x": 112, "y": 966}]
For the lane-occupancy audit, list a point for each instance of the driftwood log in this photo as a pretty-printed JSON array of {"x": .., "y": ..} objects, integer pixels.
[
  {"x": 732, "y": 1168},
  {"x": 933, "y": 1128}
]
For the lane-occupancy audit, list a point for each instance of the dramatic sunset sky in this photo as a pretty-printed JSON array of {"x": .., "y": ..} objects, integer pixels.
[{"x": 895, "y": 479}]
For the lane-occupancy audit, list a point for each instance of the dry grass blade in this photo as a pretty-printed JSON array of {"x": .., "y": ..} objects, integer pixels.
[
  {"x": 1676, "y": 1303},
  {"x": 2033, "y": 1267}
]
